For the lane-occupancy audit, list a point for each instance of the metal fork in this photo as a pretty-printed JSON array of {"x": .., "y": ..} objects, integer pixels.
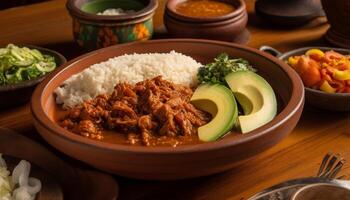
[{"x": 331, "y": 165}]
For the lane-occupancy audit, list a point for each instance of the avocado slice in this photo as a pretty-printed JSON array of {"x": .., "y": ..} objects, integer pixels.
[
  {"x": 219, "y": 101},
  {"x": 256, "y": 97}
]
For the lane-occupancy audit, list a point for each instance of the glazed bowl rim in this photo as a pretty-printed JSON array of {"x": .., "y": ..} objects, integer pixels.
[
  {"x": 32, "y": 82},
  {"x": 148, "y": 10},
  {"x": 287, "y": 54},
  {"x": 171, "y": 4},
  {"x": 239, "y": 18},
  {"x": 294, "y": 104}
]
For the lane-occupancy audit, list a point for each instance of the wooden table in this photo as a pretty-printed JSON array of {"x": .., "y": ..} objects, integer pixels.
[{"x": 48, "y": 24}]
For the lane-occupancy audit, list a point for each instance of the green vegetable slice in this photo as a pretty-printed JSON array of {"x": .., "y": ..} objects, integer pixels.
[
  {"x": 21, "y": 63},
  {"x": 10, "y": 75},
  {"x": 3, "y": 51},
  {"x": 45, "y": 66},
  {"x": 2, "y": 78},
  {"x": 37, "y": 54},
  {"x": 31, "y": 72},
  {"x": 18, "y": 74}
]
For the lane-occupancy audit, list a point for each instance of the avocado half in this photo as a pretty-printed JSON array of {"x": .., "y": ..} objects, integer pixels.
[
  {"x": 256, "y": 97},
  {"x": 219, "y": 101}
]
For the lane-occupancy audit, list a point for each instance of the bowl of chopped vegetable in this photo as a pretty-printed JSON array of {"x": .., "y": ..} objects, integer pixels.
[
  {"x": 325, "y": 72},
  {"x": 22, "y": 67}
]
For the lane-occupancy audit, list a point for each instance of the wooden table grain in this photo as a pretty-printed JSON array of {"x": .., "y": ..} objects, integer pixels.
[{"x": 48, "y": 24}]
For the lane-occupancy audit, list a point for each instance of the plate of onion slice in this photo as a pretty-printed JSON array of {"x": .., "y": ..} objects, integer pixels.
[{"x": 28, "y": 171}]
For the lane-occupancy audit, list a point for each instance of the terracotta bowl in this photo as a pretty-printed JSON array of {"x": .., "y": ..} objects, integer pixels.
[
  {"x": 93, "y": 31},
  {"x": 183, "y": 161},
  {"x": 15, "y": 94},
  {"x": 318, "y": 98},
  {"x": 227, "y": 27}
]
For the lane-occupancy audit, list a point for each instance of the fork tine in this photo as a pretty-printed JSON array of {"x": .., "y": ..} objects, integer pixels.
[
  {"x": 331, "y": 165},
  {"x": 331, "y": 173},
  {"x": 323, "y": 164},
  {"x": 336, "y": 169}
]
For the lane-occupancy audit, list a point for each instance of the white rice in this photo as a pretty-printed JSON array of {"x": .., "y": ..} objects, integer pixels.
[
  {"x": 102, "y": 77},
  {"x": 115, "y": 11}
]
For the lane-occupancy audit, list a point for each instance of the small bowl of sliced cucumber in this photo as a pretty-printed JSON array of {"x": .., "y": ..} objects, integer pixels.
[{"x": 22, "y": 67}]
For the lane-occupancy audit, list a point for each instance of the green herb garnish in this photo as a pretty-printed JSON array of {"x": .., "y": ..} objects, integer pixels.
[
  {"x": 21, "y": 63},
  {"x": 216, "y": 71}
]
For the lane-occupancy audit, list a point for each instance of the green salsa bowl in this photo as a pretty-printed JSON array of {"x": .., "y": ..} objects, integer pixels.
[{"x": 93, "y": 31}]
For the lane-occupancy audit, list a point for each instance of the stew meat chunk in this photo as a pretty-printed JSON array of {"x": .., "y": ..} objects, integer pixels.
[{"x": 152, "y": 112}]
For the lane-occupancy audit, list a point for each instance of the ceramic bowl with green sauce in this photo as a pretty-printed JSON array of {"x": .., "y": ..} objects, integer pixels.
[{"x": 93, "y": 31}]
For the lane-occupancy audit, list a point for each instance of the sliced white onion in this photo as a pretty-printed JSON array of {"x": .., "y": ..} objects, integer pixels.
[
  {"x": 21, "y": 193},
  {"x": 23, "y": 180},
  {"x": 4, "y": 173},
  {"x": 20, "y": 174},
  {"x": 34, "y": 186}
]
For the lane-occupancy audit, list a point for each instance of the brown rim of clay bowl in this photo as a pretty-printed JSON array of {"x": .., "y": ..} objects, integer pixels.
[
  {"x": 73, "y": 7},
  {"x": 209, "y": 24},
  {"x": 294, "y": 104},
  {"x": 239, "y": 5},
  {"x": 59, "y": 59}
]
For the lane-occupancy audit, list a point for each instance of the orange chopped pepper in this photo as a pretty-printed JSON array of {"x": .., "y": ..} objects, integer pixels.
[{"x": 311, "y": 76}]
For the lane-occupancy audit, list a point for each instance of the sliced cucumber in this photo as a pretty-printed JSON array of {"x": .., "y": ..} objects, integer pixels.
[
  {"x": 22, "y": 63},
  {"x": 16, "y": 54},
  {"x": 2, "y": 78},
  {"x": 18, "y": 74},
  {"x": 45, "y": 66},
  {"x": 37, "y": 54},
  {"x": 3, "y": 51}
]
